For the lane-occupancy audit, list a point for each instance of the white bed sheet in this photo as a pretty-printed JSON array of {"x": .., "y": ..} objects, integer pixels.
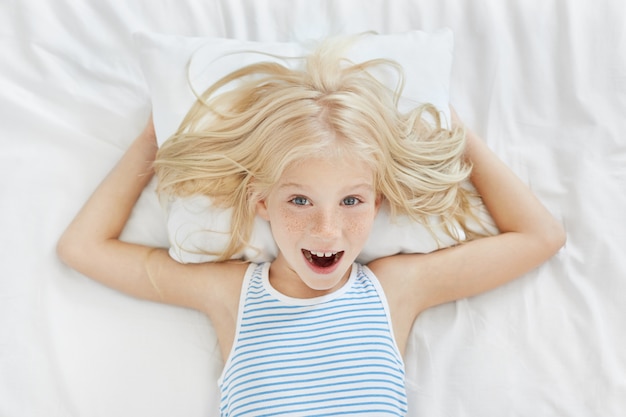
[{"x": 543, "y": 81}]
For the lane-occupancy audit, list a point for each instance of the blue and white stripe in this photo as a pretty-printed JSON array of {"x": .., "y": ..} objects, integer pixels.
[{"x": 327, "y": 356}]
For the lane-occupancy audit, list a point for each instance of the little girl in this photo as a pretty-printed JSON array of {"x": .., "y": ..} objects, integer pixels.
[{"x": 314, "y": 151}]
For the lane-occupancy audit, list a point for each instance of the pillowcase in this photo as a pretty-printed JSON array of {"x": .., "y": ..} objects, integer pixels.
[{"x": 177, "y": 66}]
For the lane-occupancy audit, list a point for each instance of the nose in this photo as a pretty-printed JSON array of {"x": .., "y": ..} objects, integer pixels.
[{"x": 325, "y": 224}]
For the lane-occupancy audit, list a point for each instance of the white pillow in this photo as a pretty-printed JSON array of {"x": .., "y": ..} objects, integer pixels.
[{"x": 197, "y": 230}]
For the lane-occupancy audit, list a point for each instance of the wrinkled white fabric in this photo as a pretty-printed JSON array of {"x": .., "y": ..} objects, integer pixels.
[{"x": 543, "y": 81}]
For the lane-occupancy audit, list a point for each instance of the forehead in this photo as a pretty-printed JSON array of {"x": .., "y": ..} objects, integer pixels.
[{"x": 341, "y": 171}]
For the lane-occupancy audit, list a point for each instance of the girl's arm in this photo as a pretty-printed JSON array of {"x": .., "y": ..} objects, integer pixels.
[
  {"x": 529, "y": 236},
  {"x": 91, "y": 242}
]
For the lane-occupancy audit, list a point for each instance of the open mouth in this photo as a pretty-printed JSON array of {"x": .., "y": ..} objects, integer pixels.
[{"x": 322, "y": 259}]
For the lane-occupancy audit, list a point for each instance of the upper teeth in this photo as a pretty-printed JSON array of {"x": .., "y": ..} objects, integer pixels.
[{"x": 323, "y": 254}]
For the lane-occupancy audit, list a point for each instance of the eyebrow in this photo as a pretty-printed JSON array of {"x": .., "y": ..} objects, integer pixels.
[{"x": 367, "y": 185}]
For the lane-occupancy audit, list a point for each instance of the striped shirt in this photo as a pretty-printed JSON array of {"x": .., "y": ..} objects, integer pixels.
[{"x": 332, "y": 355}]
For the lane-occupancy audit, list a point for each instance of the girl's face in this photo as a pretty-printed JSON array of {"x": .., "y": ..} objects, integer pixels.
[{"x": 320, "y": 212}]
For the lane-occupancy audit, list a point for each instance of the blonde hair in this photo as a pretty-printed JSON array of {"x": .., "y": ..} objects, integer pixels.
[{"x": 234, "y": 146}]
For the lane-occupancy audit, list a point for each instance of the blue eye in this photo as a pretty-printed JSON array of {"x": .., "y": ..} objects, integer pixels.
[
  {"x": 351, "y": 201},
  {"x": 300, "y": 201}
]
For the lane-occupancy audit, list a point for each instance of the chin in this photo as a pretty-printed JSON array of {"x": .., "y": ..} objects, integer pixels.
[{"x": 327, "y": 280}]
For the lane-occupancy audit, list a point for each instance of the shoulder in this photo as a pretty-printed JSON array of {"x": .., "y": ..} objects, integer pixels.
[
  {"x": 405, "y": 290},
  {"x": 208, "y": 287},
  {"x": 403, "y": 279}
]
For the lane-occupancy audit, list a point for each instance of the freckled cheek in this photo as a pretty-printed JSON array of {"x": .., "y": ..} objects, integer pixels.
[
  {"x": 292, "y": 223},
  {"x": 358, "y": 225}
]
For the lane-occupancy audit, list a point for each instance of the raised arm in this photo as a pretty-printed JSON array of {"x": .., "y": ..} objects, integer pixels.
[
  {"x": 91, "y": 242},
  {"x": 529, "y": 236}
]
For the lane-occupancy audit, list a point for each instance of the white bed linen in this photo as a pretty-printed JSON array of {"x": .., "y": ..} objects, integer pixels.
[{"x": 543, "y": 81}]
